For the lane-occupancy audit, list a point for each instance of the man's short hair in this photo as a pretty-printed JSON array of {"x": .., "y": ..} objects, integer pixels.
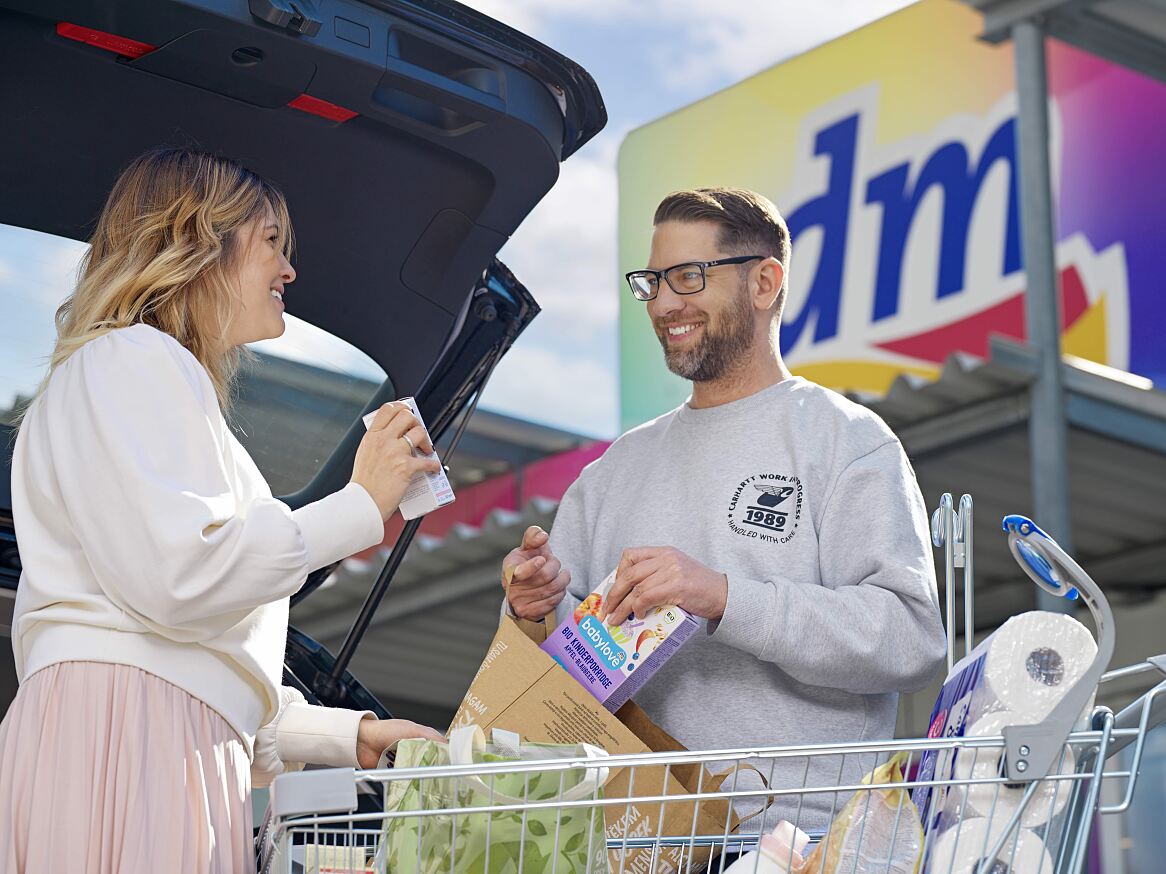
[{"x": 749, "y": 223}]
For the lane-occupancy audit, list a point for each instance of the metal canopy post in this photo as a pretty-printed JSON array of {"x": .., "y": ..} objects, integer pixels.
[{"x": 1047, "y": 427}]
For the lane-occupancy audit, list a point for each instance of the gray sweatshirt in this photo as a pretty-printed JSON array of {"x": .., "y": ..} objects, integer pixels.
[{"x": 807, "y": 503}]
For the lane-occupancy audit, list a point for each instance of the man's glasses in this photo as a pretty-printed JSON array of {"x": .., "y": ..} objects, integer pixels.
[{"x": 686, "y": 278}]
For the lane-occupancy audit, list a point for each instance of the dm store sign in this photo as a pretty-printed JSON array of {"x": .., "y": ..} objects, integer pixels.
[{"x": 892, "y": 153}]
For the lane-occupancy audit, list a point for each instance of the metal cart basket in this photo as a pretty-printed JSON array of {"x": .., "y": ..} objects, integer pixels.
[{"x": 331, "y": 821}]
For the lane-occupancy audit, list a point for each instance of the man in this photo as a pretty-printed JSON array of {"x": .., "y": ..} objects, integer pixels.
[{"x": 781, "y": 513}]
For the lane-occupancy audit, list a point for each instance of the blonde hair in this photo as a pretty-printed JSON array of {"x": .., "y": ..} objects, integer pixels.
[{"x": 164, "y": 253}]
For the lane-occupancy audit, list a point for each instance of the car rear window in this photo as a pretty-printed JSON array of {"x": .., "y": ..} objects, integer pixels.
[{"x": 294, "y": 402}]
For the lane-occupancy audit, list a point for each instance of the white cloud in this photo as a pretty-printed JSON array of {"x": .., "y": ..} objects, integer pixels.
[
  {"x": 562, "y": 371},
  {"x": 649, "y": 57},
  {"x": 739, "y": 38},
  {"x": 536, "y": 17},
  {"x": 542, "y": 385},
  {"x": 303, "y": 341},
  {"x": 39, "y": 266},
  {"x": 698, "y": 43},
  {"x": 565, "y": 251}
]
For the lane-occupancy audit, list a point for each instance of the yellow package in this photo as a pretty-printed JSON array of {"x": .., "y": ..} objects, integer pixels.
[{"x": 877, "y": 831}]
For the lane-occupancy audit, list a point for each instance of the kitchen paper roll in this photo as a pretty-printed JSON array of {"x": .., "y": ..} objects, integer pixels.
[
  {"x": 985, "y": 763},
  {"x": 1033, "y": 659},
  {"x": 960, "y": 850}
]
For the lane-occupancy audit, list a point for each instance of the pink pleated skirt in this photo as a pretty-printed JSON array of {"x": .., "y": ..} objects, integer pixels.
[{"x": 107, "y": 769}]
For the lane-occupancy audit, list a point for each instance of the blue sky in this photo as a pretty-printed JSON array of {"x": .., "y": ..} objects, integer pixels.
[{"x": 649, "y": 57}]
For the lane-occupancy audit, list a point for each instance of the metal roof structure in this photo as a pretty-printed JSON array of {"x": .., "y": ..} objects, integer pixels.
[
  {"x": 966, "y": 431},
  {"x": 291, "y": 412},
  {"x": 1128, "y": 32}
]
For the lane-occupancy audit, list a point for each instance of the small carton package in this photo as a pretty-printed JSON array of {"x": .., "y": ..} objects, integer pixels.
[
  {"x": 614, "y": 662},
  {"x": 520, "y": 688},
  {"x": 427, "y": 491}
]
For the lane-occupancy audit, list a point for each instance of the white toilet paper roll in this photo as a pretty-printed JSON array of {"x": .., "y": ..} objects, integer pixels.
[
  {"x": 960, "y": 851},
  {"x": 1000, "y": 800},
  {"x": 1033, "y": 660}
]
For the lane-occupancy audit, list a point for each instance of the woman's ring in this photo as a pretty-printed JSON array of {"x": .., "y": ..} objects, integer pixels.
[{"x": 412, "y": 447}]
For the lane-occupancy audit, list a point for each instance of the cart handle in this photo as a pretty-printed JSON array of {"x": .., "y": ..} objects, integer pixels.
[
  {"x": 952, "y": 531},
  {"x": 1031, "y": 750}
]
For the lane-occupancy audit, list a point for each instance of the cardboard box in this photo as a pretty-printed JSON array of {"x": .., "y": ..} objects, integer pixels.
[
  {"x": 427, "y": 491},
  {"x": 520, "y": 688},
  {"x": 614, "y": 662}
]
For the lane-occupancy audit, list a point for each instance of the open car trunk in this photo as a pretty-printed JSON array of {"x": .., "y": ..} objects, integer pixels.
[{"x": 411, "y": 139}]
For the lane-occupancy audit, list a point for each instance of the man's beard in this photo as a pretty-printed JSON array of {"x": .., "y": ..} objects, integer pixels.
[{"x": 719, "y": 351}]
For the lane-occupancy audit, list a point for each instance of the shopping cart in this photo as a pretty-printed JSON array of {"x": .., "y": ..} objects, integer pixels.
[{"x": 334, "y": 820}]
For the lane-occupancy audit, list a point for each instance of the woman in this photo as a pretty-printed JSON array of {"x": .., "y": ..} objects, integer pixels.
[{"x": 152, "y": 611}]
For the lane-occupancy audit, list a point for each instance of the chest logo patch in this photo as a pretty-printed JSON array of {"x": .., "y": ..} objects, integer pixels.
[{"x": 766, "y": 507}]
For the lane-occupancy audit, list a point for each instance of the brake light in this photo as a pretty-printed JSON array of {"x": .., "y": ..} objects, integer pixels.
[
  {"x": 111, "y": 42},
  {"x": 322, "y": 108},
  {"x": 132, "y": 48}
]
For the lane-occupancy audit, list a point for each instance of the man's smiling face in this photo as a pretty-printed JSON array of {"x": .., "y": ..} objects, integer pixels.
[{"x": 704, "y": 335}]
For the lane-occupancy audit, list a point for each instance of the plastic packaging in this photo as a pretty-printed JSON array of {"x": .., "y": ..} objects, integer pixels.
[
  {"x": 780, "y": 852},
  {"x": 1000, "y": 801},
  {"x": 962, "y": 851},
  {"x": 877, "y": 832},
  {"x": 569, "y": 838},
  {"x": 1015, "y": 676}
]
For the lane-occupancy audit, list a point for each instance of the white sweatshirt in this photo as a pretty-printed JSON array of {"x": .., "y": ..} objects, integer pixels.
[
  {"x": 148, "y": 537},
  {"x": 807, "y": 504}
]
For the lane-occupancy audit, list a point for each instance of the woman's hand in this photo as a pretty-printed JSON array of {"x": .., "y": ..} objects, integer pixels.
[
  {"x": 374, "y": 736},
  {"x": 384, "y": 460}
]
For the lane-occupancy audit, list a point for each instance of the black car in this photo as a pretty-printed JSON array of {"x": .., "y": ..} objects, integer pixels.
[{"x": 411, "y": 139}]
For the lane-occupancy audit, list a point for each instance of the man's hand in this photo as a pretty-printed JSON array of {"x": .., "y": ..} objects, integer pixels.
[
  {"x": 374, "y": 736},
  {"x": 535, "y": 581},
  {"x": 659, "y": 576}
]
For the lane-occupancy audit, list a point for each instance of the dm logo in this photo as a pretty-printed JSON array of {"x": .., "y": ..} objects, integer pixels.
[
  {"x": 766, "y": 507},
  {"x": 916, "y": 250}
]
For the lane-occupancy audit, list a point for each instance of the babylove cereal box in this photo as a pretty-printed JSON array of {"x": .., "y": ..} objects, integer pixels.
[{"x": 612, "y": 663}]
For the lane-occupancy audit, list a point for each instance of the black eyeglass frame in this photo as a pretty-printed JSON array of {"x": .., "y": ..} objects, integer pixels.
[{"x": 703, "y": 265}]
